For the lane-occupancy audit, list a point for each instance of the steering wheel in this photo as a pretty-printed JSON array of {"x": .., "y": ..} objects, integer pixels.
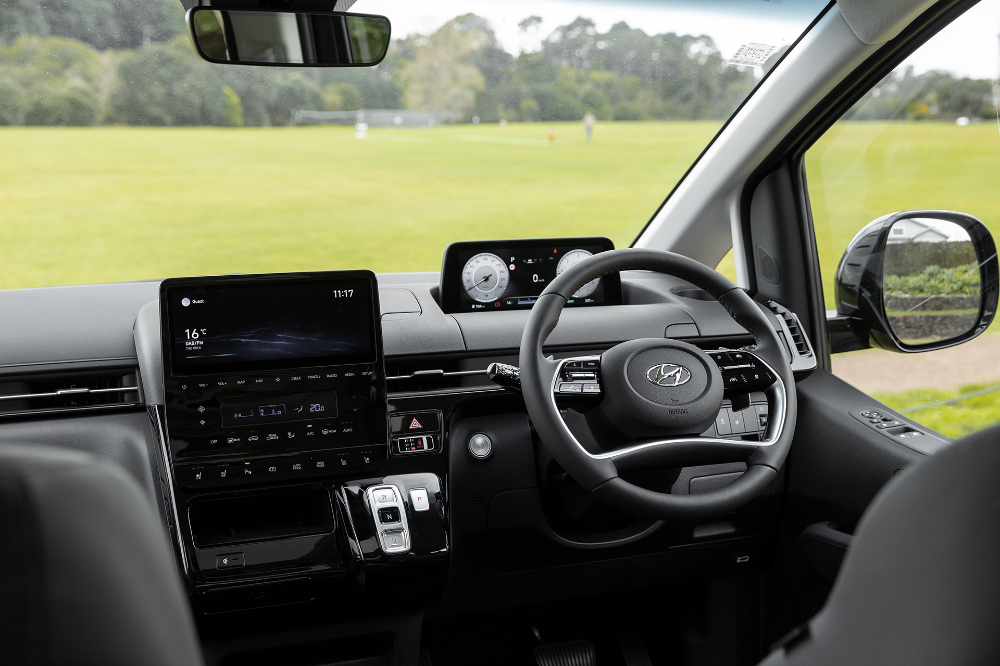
[{"x": 661, "y": 394}]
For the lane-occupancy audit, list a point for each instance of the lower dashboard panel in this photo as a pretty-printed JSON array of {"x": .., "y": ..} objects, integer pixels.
[{"x": 265, "y": 547}]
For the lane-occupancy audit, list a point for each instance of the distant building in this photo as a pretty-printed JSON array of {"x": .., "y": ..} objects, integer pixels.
[{"x": 915, "y": 231}]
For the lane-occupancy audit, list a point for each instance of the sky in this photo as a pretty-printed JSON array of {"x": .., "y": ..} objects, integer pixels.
[{"x": 968, "y": 47}]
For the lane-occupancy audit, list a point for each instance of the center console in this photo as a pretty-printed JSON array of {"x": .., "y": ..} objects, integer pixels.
[{"x": 276, "y": 432}]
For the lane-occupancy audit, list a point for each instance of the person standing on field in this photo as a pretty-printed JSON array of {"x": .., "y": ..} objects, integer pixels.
[{"x": 588, "y": 125}]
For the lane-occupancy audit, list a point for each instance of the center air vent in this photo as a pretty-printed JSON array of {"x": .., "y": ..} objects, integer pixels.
[
  {"x": 71, "y": 391},
  {"x": 405, "y": 376}
]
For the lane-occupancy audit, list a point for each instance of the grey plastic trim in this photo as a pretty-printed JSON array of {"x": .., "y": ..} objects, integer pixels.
[
  {"x": 157, "y": 417},
  {"x": 148, "y": 347},
  {"x": 777, "y": 404}
]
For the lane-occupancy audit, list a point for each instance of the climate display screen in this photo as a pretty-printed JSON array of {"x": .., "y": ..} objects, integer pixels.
[
  {"x": 265, "y": 325},
  {"x": 259, "y": 410}
]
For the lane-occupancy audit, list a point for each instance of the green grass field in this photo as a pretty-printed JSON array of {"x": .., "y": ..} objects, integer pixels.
[
  {"x": 952, "y": 413},
  {"x": 121, "y": 203}
]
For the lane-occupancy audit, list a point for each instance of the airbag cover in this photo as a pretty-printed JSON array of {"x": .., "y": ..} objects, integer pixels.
[{"x": 656, "y": 388}]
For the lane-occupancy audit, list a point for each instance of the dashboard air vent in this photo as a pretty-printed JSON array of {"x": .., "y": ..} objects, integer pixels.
[
  {"x": 50, "y": 393},
  {"x": 407, "y": 376},
  {"x": 804, "y": 358}
]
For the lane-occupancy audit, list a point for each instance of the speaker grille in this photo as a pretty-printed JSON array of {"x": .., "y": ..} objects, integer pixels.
[{"x": 767, "y": 266}]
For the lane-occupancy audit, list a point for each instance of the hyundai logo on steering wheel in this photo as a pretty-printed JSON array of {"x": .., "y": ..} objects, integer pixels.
[{"x": 668, "y": 374}]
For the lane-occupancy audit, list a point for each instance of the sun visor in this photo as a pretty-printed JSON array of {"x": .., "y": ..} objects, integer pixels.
[{"x": 878, "y": 21}]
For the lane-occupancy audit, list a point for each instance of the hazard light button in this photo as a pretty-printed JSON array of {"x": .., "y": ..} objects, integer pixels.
[{"x": 414, "y": 423}]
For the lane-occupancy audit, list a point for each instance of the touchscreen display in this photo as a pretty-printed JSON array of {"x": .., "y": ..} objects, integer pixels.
[
  {"x": 509, "y": 275},
  {"x": 270, "y": 325}
]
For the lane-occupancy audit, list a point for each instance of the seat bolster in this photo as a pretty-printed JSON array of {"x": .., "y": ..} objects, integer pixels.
[
  {"x": 110, "y": 589},
  {"x": 920, "y": 583}
]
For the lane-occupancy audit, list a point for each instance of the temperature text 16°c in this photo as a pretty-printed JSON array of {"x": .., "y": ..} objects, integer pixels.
[{"x": 195, "y": 333}]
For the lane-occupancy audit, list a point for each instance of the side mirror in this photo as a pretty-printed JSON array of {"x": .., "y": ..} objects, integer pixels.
[
  {"x": 916, "y": 281},
  {"x": 288, "y": 38}
]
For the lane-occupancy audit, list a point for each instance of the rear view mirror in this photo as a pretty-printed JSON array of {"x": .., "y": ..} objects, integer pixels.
[
  {"x": 916, "y": 281},
  {"x": 288, "y": 38}
]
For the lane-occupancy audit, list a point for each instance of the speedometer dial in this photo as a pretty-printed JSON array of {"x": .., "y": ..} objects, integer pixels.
[
  {"x": 485, "y": 277},
  {"x": 572, "y": 258}
]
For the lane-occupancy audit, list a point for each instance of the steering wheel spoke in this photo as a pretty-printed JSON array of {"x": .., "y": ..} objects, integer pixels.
[{"x": 702, "y": 450}]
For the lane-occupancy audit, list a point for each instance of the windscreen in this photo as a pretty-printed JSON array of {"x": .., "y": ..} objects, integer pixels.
[{"x": 127, "y": 157}]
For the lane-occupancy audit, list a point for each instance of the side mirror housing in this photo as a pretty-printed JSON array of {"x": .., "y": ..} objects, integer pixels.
[{"x": 916, "y": 281}]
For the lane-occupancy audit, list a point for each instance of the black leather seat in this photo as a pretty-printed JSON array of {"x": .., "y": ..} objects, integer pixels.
[
  {"x": 921, "y": 583},
  {"x": 86, "y": 571}
]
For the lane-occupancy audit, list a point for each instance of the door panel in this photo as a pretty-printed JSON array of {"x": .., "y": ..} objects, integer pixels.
[{"x": 836, "y": 467}]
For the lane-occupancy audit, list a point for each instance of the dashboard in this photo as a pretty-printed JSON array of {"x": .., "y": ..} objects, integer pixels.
[{"x": 320, "y": 442}]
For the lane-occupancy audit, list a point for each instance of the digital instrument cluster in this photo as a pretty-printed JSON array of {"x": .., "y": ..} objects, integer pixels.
[{"x": 510, "y": 275}]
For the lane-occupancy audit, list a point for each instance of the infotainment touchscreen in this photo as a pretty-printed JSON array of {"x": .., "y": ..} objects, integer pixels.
[
  {"x": 228, "y": 327},
  {"x": 482, "y": 276}
]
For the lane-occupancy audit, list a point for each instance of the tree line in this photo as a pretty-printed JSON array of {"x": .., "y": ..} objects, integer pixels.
[{"x": 85, "y": 62}]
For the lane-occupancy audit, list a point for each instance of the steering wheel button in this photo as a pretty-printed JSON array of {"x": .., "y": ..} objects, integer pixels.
[
  {"x": 591, "y": 388},
  {"x": 591, "y": 365},
  {"x": 722, "y": 424},
  {"x": 737, "y": 422},
  {"x": 567, "y": 387}
]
